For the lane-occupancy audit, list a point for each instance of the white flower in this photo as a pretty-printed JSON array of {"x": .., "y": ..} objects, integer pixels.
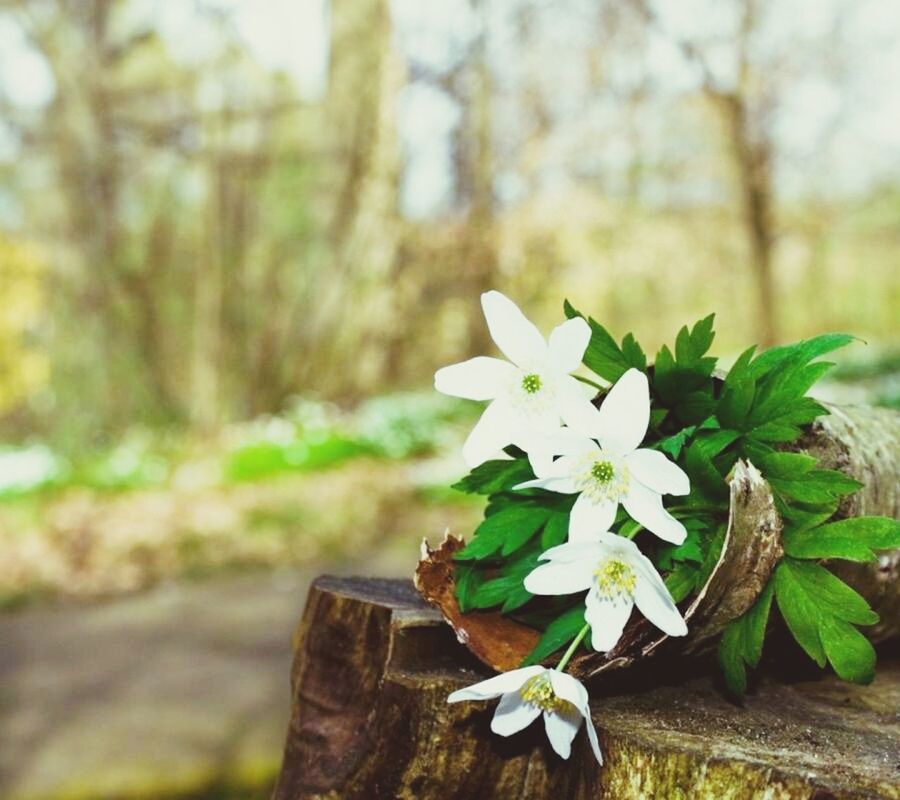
[
  {"x": 615, "y": 470},
  {"x": 617, "y": 576},
  {"x": 525, "y": 693},
  {"x": 530, "y": 394}
]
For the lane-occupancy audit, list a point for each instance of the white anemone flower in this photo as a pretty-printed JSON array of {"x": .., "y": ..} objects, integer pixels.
[
  {"x": 602, "y": 463},
  {"x": 527, "y": 692},
  {"x": 617, "y": 577},
  {"x": 532, "y": 391}
]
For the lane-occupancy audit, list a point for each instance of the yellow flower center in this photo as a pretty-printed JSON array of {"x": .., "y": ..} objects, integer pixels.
[
  {"x": 602, "y": 477},
  {"x": 531, "y": 383},
  {"x": 615, "y": 578},
  {"x": 538, "y": 691}
]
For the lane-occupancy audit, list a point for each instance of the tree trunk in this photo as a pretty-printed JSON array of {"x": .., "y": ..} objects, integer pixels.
[{"x": 369, "y": 719}]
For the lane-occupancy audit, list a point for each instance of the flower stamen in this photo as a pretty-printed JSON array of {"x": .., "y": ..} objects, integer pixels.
[
  {"x": 602, "y": 471},
  {"x": 538, "y": 691},
  {"x": 531, "y": 383},
  {"x": 615, "y": 578}
]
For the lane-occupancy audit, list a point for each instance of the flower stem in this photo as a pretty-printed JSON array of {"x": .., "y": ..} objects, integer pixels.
[
  {"x": 589, "y": 382},
  {"x": 572, "y": 647}
]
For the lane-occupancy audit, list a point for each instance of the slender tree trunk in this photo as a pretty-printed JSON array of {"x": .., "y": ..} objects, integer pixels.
[{"x": 752, "y": 163}]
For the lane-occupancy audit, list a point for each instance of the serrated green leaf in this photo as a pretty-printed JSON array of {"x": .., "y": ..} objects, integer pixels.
[
  {"x": 673, "y": 444},
  {"x": 466, "y": 579},
  {"x": 519, "y": 521},
  {"x": 688, "y": 550},
  {"x": 555, "y": 531},
  {"x": 714, "y": 442},
  {"x": 495, "y": 476},
  {"x": 731, "y": 659},
  {"x": 849, "y": 652},
  {"x": 853, "y": 539},
  {"x": 802, "y": 352},
  {"x": 681, "y": 581},
  {"x": 816, "y": 486},
  {"x": 829, "y": 594},
  {"x": 742, "y": 641},
  {"x": 558, "y": 634},
  {"x": 703, "y": 473},
  {"x": 799, "y": 612},
  {"x": 785, "y": 466},
  {"x": 493, "y": 592},
  {"x": 603, "y": 355}
]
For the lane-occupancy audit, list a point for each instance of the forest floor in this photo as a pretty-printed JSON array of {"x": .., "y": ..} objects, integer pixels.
[{"x": 178, "y": 692}]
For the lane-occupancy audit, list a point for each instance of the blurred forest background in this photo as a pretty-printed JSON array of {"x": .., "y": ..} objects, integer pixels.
[
  {"x": 237, "y": 238},
  {"x": 231, "y": 233}
]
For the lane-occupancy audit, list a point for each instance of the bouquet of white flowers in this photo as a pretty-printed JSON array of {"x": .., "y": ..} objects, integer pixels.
[{"x": 693, "y": 497}]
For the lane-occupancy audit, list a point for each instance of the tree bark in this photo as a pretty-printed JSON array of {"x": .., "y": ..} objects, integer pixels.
[{"x": 369, "y": 719}]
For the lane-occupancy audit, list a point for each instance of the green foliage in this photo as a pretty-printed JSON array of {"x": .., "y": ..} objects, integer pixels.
[
  {"x": 819, "y": 608},
  {"x": 742, "y": 642},
  {"x": 603, "y": 356},
  {"x": 557, "y": 634},
  {"x": 854, "y": 539},
  {"x": 492, "y": 477}
]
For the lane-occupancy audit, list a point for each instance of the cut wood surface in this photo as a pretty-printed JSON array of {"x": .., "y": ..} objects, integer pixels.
[{"x": 369, "y": 719}]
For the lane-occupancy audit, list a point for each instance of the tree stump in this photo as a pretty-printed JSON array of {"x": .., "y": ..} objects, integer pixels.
[{"x": 373, "y": 667}]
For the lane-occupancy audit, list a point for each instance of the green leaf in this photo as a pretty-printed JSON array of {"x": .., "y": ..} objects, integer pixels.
[
  {"x": 557, "y": 635},
  {"x": 784, "y": 465},
  {"x": 738, "y": 393},
  {"x": 742, "y": 641},
  {"x": 681, "y": 581},
  {"x": 853, "y": 539},
  {"x": 803, "y": 352},
  {"x": 673, "y": 444},
  {"x": 494, "y": 592},
  {"x": 799, "y": 612},
  {"x": 816, "y": 486},
  {"x": 850, "y": 653},
  {"x": 691, "y": 346},
  {"x": 555, "y": 531},
  {"x": 703, "y": 473},
  {"x": 829, "y": 594},
  {"x": 688, "y": 550},
  {"x": 495, "y": 476},
  {"x": 466, "y": 579},
  {"x": 603, "y": 356},
  {"x": 518, "y": 521}
]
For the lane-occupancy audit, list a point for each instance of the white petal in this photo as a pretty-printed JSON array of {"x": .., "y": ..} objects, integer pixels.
[
  {"x": 513, "y": 714},
  {"x": 560, "y": 442},
  {"x": 645, "y": 506},
  {"x": 503, "y": 683},
  {"x": 568, "y": 343},
  {"x": 518, "y": 338},
  {"x": 575, "y": 551},
  {"x": 571, "y": 689},
  {"x": 576, "y": 408},
  {"x": 554, "y": 477},
  {"x": 563, "y": 485},
  {"x": 607, "y": 619},
  {"x": 560, "y": 577},
  {"x": 589, "y": 519},
  {"x": 657, "y": 472},
  {"x": 625, "y": 413},
  {"x": 480, "y": 378},
  {"x": 654, "y": 601},
  {"x": 561, "y": 728},
  {"x": 490, "y": 435}
]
